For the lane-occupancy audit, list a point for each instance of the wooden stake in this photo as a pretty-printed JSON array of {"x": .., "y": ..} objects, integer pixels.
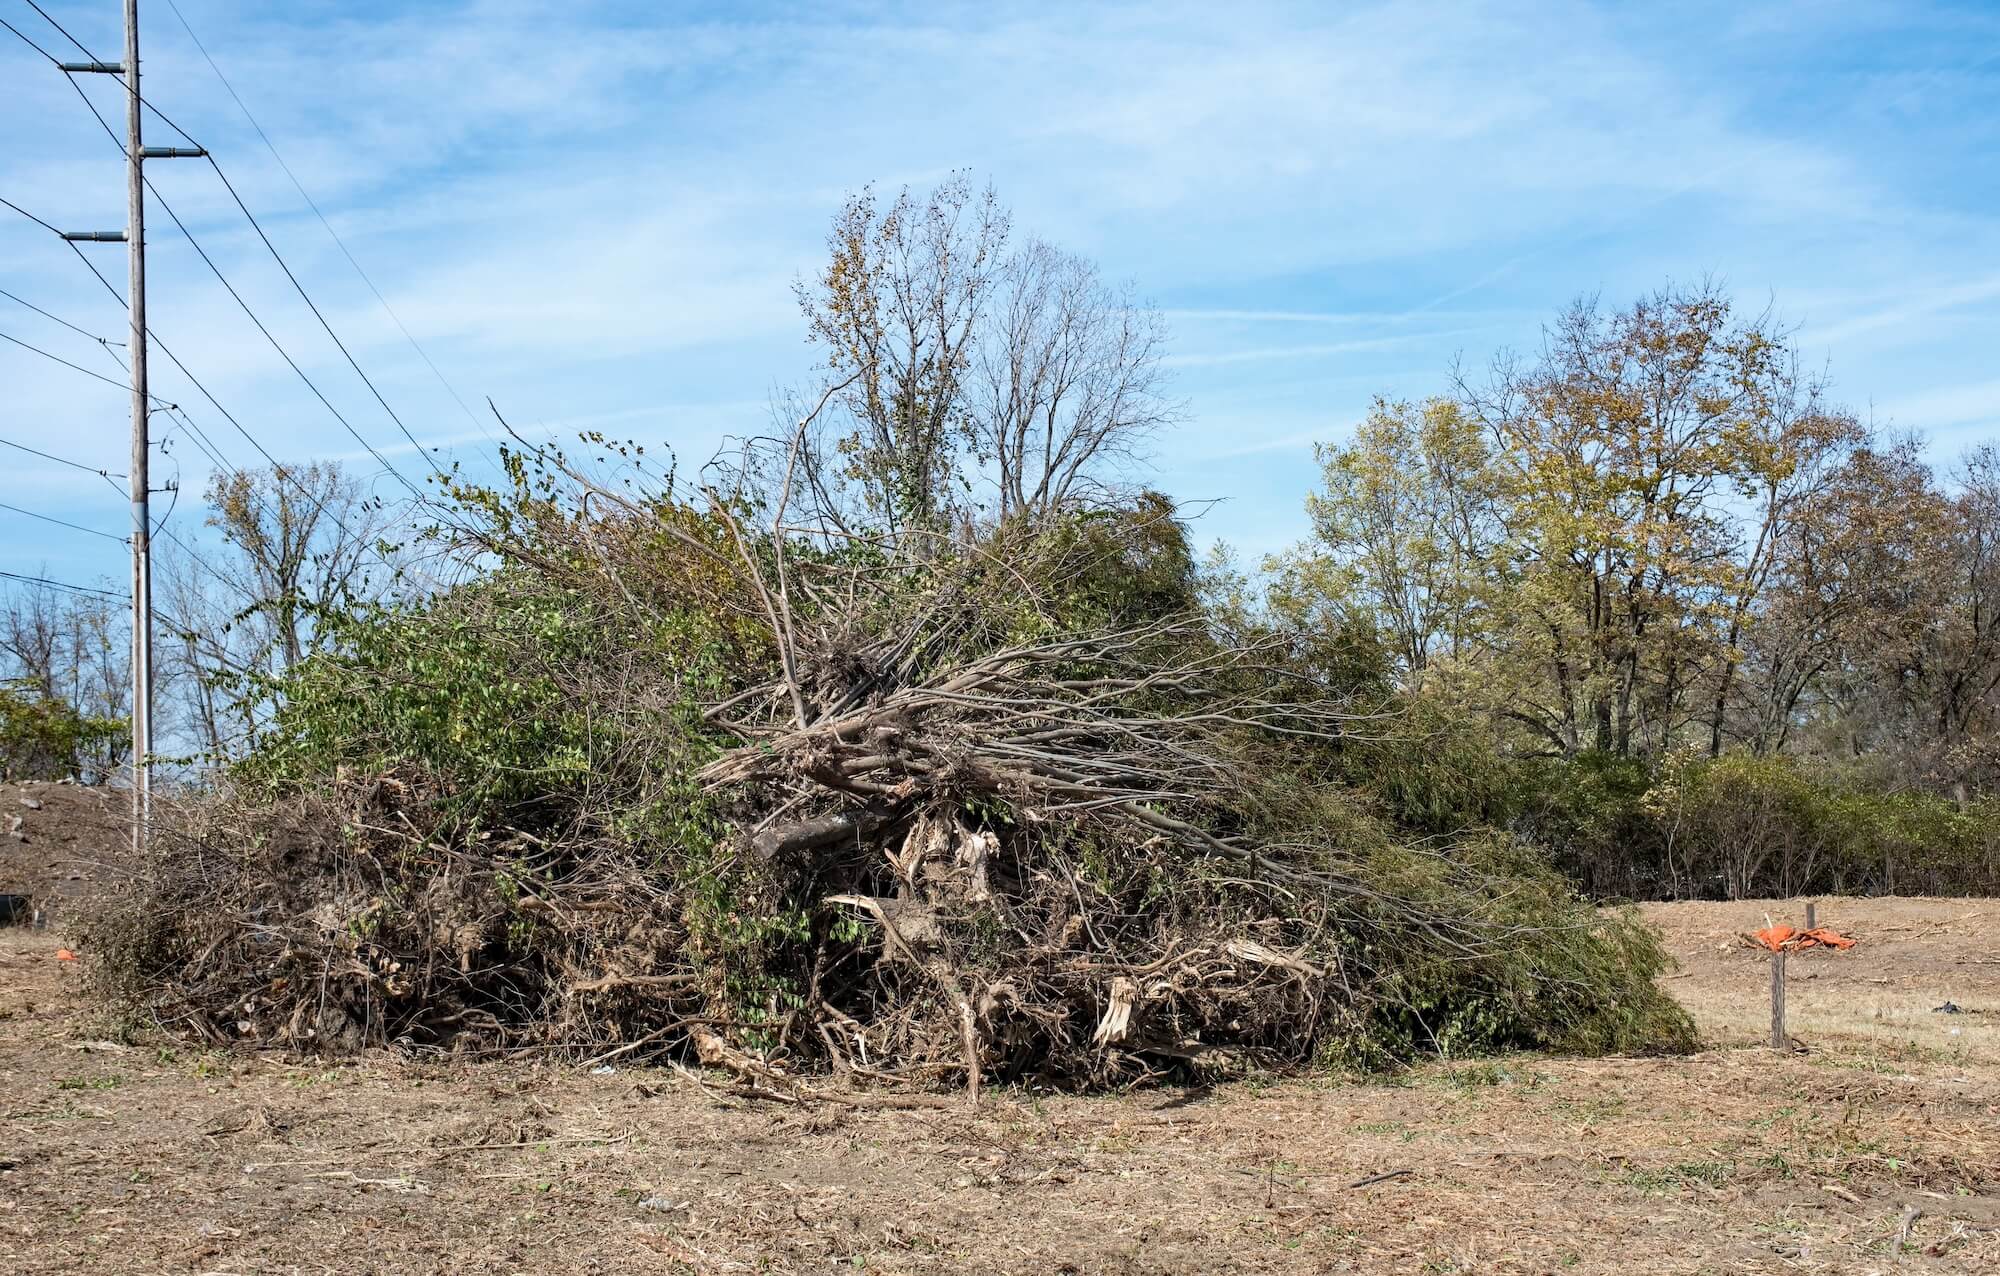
[
  {"x": 1779, "y": 1041},
  {"x": 1812, "y": 916}
]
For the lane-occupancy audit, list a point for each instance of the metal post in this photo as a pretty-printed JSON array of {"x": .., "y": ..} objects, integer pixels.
[{"x": 142, "y": 524}]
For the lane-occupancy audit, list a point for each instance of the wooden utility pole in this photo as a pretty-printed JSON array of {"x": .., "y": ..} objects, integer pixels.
[
  {"x": 134, "y": 238},
  {"x": 142, "y": 520}
]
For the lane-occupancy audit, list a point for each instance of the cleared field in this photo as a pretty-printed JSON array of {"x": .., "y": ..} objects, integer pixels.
[{"x": 128, "y": 1158}]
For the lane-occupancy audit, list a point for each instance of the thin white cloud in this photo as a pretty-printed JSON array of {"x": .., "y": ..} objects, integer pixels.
[
  {"x": 1336, "y": 317},
  {"x": 587, "y": 209},
  {"x": 1916, "y": 304},
  {"x": 1321, "y": 350},
  {"x": 1974, "y": 403}
]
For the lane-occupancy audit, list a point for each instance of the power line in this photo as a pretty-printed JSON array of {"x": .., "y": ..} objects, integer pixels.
[
  {"x": 207, "y": 445},
  {"x": 275, "y": 345},
  {"x": 30, "y": 216},
  {"x": 310, "y": 305},
  {"x": 50, "y": 456},
  {"x": 172, "y": 409},
  {"x": 204, "y": 564},
  {"x": 202, "y": 440},
  {"x": 172, "y": 486},
  {"x": 102, "y": 341},
  {"x": 208, "y": 448},
  {"x": 59, "y": 27},
  {"x": 30, "y": 43},
  {"x": 276, "y": 256},
  {"x": 78, "y": 90},
  {"x": 119, "y": 297},
  {"x": 143, "y": 528},
  {"x": 185, "y": 629},
  {"x": 75, "y": 527},
  {"x": 283, "y": 472},
  {"x": 278, "y": 468},
  {"x": 162, "y": 529},
  {"x": 224, "y": 279},
  {"x": 298, "y": 186},
  {"x": 57, "y": 584},
  {"x": 144, "y": 102},
  {"x": 64, "y": 362}
]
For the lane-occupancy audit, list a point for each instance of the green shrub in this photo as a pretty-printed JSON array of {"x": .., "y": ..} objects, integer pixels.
[
  {"x": 1683, "y": 826},
  {"x": 46, "y": 739},
  {"x": 503, "y": 691}
]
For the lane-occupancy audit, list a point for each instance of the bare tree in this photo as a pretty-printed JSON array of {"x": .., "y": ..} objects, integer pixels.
[
  {"x": 68, "y": 647},
  {"x": 298, "y": 542},
  {"x": 304, "y": 540},
  {"x": 961, "y": 367},
  {"x": 1068, "y": 381}
]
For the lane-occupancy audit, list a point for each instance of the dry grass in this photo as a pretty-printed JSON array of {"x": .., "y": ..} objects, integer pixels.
[
  {"x": 1919, "y": 953},
  {"x": 128, "y": 1158}
]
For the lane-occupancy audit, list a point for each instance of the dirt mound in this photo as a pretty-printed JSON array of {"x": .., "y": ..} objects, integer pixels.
[{"x": 58, "y": 840}]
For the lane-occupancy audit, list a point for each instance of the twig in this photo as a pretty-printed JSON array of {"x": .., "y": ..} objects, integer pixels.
[
  {"x": 594, "y": 1140},
  {"x": 1910, "y": 1216}
]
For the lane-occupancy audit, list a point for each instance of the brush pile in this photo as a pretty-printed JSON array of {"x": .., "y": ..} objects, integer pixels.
[
  {"x": 1040, "y": 846},
  {"x": 658, "y": 786}
]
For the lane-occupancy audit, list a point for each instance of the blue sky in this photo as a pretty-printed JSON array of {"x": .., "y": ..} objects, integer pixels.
[{"x": 594, "y": 213}]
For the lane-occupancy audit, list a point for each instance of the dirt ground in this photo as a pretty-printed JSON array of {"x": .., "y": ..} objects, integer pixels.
[
  {"x": 67, "y": 838},
  {"x": 142, "y": 1157}
]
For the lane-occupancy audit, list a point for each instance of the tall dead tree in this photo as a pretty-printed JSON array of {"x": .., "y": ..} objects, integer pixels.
[{"x": 1069, "y": 383}]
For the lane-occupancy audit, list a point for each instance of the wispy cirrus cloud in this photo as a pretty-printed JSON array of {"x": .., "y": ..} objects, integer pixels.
[{"x": 594, "y": 212}]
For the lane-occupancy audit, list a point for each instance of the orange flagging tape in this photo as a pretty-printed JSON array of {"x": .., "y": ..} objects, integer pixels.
[
  {"x": 1787, "y": 939},
  {"x": 64, "y": 954}
]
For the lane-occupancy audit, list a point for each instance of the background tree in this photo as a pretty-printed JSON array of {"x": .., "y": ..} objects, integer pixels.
[
  {"x": 897, "y": 309},
  {"x": 65, "y": 683},
  {"x": 970, "y": 380},
  {"x": 1650, "y": 593},
  {"x": 1067, "y": 386},
  {"x": 1619, "y": 449},
  {"x": 1919, "y": 662},
  {"x": 1407, "y": 522},
  {"x": 297, "y": 544},
  {"x": 1787, "y": 451}
]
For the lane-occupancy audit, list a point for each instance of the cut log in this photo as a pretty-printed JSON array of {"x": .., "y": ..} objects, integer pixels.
[{"x": 807, "y": 835}]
